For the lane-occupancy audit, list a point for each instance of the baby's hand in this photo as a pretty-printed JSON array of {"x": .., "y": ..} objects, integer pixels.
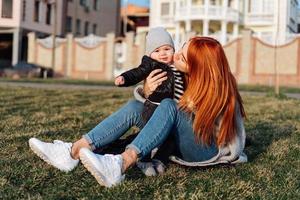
[{"x": 119, "y": 80}]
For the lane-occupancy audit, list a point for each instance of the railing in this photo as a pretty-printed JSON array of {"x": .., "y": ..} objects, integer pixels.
[
  {"x": 210, "y": 12},
  {"x": 261, "y": 19},
  {"x": 167, "y": 20}
]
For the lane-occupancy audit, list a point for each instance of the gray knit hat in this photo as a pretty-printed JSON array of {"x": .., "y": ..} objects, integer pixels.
[{"x": 157, "y": 37}]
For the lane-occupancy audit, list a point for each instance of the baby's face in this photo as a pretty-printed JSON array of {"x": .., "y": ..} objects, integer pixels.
[{"x": 163, "y": 54}]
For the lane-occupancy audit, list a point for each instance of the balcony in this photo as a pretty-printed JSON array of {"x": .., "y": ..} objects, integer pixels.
[
  {"x": 210, "y": 12},
  {"x": 259, "y": 19}
]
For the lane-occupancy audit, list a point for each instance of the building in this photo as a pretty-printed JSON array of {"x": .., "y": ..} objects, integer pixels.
[
  {"x": 220, "y": 19},
  {"x": 135, "y": 14},
  {"x": 80, "y": 17},
  {"x": 92, "y": 16},
  {"x": 223, "y": 19},
  {"x": 298, "y": 20},
  {"x": 274, "y": 21}
]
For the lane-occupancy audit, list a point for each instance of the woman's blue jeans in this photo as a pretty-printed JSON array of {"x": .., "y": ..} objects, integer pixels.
[{"x": 166, "y": 119}]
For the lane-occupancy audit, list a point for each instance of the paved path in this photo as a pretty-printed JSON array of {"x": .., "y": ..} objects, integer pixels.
[
  {"x": 53, "y": 86},
  {"x": 99, "y": 87}
]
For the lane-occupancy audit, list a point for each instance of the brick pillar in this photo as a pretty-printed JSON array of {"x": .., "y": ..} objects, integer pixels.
[
  {"x": 141, "y": 47},
  {"x": 110, "y": 58},
  {"x": 129, "y": 50},
  {"x": 245, "y": 57},
  {"x": 69, "y": 56},
  {"x": 31, "y": 47}
]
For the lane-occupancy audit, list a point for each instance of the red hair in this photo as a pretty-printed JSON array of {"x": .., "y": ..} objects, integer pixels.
[{"x": 211, "y": 91}]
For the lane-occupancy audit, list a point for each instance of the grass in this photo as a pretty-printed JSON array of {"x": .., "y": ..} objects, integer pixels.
[
  {"x": 268, "y": 89},
  {"x": 59, "y": 81},
  {"x": 273, "y": 170},
  {"x": 251, "y": 88}
]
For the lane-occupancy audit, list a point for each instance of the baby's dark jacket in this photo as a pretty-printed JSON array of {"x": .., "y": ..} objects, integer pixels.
[
  {"x": 165, "y": 90},
  {"x": 136, "y": 75}
]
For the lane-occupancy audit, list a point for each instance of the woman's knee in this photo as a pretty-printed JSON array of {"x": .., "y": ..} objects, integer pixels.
[
  {"x": 133, "y": 106},
  {"x": 168, "y": 102}
]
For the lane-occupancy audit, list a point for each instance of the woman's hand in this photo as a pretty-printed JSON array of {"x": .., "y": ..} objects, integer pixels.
[{"x": 155, "y": 78}]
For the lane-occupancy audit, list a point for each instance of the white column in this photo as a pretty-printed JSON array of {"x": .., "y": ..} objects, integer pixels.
[
  {"x": 237, "y": 5},
  {"x": 206, "y": 5},
  {"x": 235, "y": 30},
  {"x": 189, "y": 7},
  {"x": 223, "y": 32},
  {"x": 205, "y": 27},
  {"x": 177, "y": 35},
  {"x": 177, "y": 6},
  {"x": 188, "y": 26},
  {"x": 225, "y": 8}
]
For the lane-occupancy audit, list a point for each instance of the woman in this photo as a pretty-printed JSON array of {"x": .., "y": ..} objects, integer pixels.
[{"x": 207, "y": 126}]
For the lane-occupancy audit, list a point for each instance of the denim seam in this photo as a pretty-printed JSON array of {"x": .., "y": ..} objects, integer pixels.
[{"x": 113, "y": 130}]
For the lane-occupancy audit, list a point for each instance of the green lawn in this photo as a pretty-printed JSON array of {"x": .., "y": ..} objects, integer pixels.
[
  {"x": 273, "y": 171},
  {"x": 253, "y": 88}
]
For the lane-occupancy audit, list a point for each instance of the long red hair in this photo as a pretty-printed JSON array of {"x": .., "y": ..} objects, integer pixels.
[{"x": 211, "y": 91}]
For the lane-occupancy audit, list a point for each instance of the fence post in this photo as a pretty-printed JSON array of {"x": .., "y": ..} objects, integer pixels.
[
  {"x": 129, "y": 50},
  {"x": 245, "y": 57},
  {"x": 142, "y": 46},
  {"x": 69, "y": 58},
  {"x": 109, "y": 60},
  {"x": 31, "y": 47}
]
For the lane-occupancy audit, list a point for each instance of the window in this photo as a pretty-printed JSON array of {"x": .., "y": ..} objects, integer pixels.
[
  {"x": 86, "y": 28},
  {"x": 96, "y": 4},
  {"x": 78, "y": 26},
  {"x": 48, "y": 14},
  {"x": 7, "y": 9},
  {"x": 82, "y": 2},
  {"x": 24, "y": 10},
  {"x": 95, "y": 29},
  {"x": 213, "y": 2},
  {"x": 165, "y": 9},
  {"x": 69, "y": 24},
  {"x": 254, "y": 6},
  {"x": 196, "y": 2},
  {"x": 36, "y": 11}
]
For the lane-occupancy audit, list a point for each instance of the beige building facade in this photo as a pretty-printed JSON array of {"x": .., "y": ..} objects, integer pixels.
[
  {"x": 80, "y": 17},
  {"x": 274, "y": 21}
]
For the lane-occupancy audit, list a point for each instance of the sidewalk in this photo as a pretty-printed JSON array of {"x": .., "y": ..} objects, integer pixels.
[{"x": 54, "y": 86}]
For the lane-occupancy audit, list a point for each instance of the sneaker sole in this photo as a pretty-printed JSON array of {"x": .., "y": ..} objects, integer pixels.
[
  {"x": 40, "y": 154},
  {"x": 85, "y": 160}
]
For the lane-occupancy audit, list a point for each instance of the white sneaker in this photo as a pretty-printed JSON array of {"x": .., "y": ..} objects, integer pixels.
[
  {"x": 107, "y": 169},
  {"x": 57, "y": 154}
]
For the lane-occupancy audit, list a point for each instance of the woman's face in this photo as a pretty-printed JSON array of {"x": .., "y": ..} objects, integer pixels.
[{"x": 180, "y": 58}]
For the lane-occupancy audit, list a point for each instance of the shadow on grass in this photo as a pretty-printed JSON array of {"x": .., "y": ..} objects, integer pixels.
[{"x": 262, "y": 134}]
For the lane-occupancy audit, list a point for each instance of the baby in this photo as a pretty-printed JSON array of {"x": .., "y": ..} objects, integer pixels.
[{"x": 159, "y": 55}]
